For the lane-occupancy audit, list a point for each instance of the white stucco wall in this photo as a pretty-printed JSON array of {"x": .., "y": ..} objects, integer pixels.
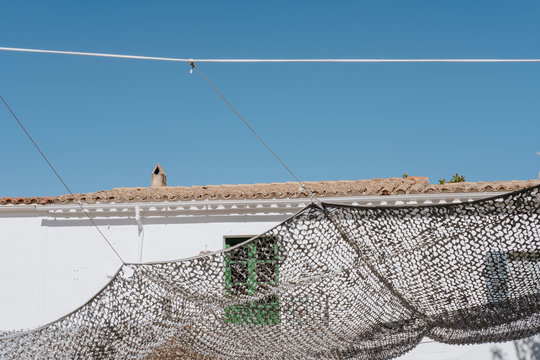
[
  {"x": 51, "y": 265},
  {"x": 52, "y": 260}
]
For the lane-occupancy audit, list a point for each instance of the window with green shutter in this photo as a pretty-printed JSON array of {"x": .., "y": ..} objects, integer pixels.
[{"x": 246, "y": 271}]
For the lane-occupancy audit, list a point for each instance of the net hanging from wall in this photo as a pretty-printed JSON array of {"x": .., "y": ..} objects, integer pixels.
[{"x": 332, "y": 282}]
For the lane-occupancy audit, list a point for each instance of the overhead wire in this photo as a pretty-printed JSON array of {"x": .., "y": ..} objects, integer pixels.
[
  {"x": 60, "y": 178},
  {"x": 283, "y": 60}
]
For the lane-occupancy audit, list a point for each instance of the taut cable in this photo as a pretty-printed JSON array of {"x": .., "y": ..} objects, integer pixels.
[
  {"x": 283, "y": 60},
  {"x": 61, "y": 180},
  {"x": 312, "y": 196}
]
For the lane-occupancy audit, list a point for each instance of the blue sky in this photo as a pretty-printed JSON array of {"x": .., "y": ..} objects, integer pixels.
[{"x": 104, "y": 123}]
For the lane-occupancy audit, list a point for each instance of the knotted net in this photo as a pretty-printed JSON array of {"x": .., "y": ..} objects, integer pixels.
[{"x": 332, "y": 282}]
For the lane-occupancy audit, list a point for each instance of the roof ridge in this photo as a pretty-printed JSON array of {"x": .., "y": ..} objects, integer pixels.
[{"x": 326, "y": 188}]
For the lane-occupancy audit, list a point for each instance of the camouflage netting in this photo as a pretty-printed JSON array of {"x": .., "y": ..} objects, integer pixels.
[{"x": 337, "y": 282}]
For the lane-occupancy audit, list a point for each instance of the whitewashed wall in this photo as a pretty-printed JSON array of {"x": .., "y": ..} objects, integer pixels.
[
  {"x": 50, "y": 265},
  {"x": 52, "y": 260}
]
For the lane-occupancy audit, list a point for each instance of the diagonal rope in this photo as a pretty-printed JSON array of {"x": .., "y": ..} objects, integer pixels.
[
  {"x": 350, "y": 60},
  {"x": 60, "y": 178},
  {"x": 303, "y": 186}
]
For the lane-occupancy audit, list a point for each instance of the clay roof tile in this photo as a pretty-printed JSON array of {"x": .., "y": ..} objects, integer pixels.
[{"x": 343, "y": 188}]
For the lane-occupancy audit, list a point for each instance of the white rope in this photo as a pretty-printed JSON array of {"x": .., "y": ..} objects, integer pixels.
[
  {"x": 92, "y": 54},
  {"x": 270, "y": 60}
]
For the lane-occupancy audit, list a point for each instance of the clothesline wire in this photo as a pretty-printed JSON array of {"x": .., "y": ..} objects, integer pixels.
[
  {"x": 60, "y": 178},
  {"x": 303, "y": 186},
  {"x": 351, "y": 60}
]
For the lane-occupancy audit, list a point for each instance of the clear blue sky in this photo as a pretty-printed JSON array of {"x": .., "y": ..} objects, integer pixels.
[{"x": 104, "y": 123}]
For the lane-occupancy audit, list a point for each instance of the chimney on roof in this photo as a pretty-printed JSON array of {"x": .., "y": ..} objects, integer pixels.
[{"x": 158, "y": 177}]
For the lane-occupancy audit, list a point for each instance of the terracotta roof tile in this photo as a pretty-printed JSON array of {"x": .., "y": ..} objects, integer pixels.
[{"x": 374, "y": 187}]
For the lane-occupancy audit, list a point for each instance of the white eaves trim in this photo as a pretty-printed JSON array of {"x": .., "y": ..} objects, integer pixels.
[{"x": 239, "y": 207}]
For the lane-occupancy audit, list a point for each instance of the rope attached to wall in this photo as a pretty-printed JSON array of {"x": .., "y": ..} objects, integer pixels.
[{"x": 61, "y": 180}]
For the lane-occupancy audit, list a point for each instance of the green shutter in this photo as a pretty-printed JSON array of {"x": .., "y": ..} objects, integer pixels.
[{"x": 245, "y": 270}]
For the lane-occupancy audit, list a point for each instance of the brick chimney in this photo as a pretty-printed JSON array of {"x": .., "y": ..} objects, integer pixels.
[{"x": 158, "y": 177}]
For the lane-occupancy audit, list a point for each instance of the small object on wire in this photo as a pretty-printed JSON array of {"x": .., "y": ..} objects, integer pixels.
[{"x": 191, "y": 62}]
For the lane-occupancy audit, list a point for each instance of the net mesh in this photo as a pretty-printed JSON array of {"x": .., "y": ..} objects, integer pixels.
[{"x": 332, "y": 282}]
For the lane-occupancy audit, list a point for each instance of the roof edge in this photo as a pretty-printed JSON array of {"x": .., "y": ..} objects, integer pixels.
[{"x": 287, "y": 190}]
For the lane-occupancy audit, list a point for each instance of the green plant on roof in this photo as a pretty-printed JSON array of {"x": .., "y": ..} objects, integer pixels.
[{"x": 455, "y": 179}]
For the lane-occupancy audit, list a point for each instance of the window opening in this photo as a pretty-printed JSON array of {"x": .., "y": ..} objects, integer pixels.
[
  {"x": 249, "y": 269},
  {"x": 507, "y": 272}
]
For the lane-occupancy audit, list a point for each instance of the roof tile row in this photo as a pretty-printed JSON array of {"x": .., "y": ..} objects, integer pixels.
[{"x": 321, "y": 189}]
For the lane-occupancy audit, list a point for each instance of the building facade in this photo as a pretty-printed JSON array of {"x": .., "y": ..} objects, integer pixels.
[{"x": 52, "y": 259}]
